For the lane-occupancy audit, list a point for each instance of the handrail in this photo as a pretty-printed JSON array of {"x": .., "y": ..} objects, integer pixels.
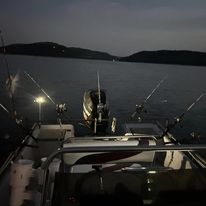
[
  {"x": 105, "y": 138},
  {"x": 139, "y": 148}
]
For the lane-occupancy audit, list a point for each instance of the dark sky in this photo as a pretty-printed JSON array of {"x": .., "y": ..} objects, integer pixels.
[{"x": 120, "y": 27}]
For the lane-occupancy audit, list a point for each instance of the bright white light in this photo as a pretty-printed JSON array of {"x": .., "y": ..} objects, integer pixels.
[
  {"x": 39, "y": 100},
  {"x": 152, "y": 172}
]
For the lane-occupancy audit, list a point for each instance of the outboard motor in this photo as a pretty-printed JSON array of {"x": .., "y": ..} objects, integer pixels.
[{"x": 96, "y": 111}]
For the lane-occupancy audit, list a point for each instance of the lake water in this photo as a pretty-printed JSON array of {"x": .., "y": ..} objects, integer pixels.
[{"x": 127, "y": 84}]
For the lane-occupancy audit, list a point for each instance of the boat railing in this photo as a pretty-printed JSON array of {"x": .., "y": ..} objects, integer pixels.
[
  {"x": 139, "y": 148},
  {"x": 111, "y": 138}
]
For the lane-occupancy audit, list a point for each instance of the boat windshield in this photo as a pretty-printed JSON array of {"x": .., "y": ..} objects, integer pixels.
[{"x": 110, "y": 185}]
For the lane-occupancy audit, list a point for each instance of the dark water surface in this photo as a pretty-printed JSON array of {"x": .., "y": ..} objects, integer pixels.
[{"x": 127, "y": 84}]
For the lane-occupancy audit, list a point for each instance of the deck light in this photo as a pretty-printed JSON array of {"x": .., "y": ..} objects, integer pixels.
[
  {"x": 152, "y": 172},
  {"x": 39, "y": 100}
]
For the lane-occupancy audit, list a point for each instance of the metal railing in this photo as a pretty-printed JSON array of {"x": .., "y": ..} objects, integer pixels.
[{"x": 111, "y": 138}]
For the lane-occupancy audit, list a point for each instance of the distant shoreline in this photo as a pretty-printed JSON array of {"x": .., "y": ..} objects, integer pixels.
[{"x": 50, "y": 49}]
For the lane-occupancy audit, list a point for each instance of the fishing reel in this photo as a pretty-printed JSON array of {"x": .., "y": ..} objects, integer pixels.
[
  {"x": 61, "y": 108},
  {"x": 195, "y": 135},
  {"x": 178, "y": 119},
  {"x": 100, "y": 108},
  {"x": 140, "y": 109}
]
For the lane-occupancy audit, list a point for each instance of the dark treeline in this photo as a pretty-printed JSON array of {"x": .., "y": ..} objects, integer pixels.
[{"x": 181, "y": 57}]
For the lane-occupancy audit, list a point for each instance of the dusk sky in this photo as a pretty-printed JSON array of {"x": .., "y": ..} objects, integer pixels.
[{"x": 119, "y": 27}]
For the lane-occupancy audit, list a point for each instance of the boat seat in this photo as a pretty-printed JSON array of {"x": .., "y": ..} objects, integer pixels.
[
  {"x": 55, "y": 133},
  {"x": 51, "y": 135}
]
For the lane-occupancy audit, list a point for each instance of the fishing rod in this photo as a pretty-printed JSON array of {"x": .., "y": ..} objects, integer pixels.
[
  {"x": 9, "y": 82},
  {"x": 153, "y": 91},
  {"x": 101, "y": 109},
  {"x": 180, "y": 118},
  {"x": 19, "y": 122},
  {"x": 98, "y": 87},
  {"x": 36, "y": 83},
  {"x": 60, "y": 108},
  {"x": 17, "y": 144},
  {"x": 4, "y": 108},
  {"x": 4, "y": 53},
  {"x": 100, "y": 106},
  {"x": 140, "y": 107}
]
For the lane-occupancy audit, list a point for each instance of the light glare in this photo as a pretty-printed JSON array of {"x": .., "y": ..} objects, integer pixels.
[{"x": 39, "y": 100}]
